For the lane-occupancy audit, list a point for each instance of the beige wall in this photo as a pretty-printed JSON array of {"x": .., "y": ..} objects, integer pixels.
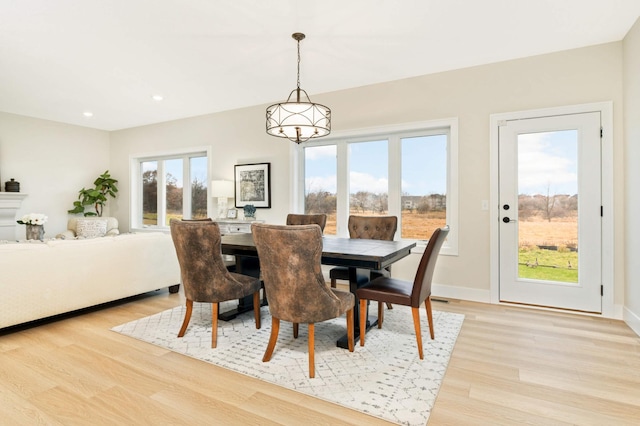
[
  {"x": 52, "y": 161},
  {"x": 592, "y": 74},
  {"x": 631, "y": 49}
]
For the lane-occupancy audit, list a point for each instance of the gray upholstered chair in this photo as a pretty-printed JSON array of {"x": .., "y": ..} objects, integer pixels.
[
  {"x": 290, "y": 260},
  {"x": 205, "y": 277},
  {"x": 307, "y": 219},
  {"x": 400, "y": 292},
  {"x": 373, "y": 228}
]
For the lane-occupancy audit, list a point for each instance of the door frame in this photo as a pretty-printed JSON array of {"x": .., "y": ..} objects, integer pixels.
[{"x": 606, "y": 113}]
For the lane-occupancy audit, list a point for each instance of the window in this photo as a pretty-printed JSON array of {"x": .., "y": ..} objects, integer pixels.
[
  {"x": 160, "y": 193},
  {"x": 407, "y": 171}
]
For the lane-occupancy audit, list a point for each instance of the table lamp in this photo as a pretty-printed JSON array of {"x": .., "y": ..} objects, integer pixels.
[{"x": 222, "y": 190}]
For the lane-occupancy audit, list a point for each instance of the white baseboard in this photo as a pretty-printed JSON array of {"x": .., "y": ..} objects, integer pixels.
[
  {"x": 632, "y": 319},
  {"x": 484, "y": 296},
  {"x": 463, "y": 293}
]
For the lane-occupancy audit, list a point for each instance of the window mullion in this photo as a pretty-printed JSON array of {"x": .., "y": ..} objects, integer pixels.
[
  {"x": 395, "y": 180},
  {"x": 162, "y": 194},
  {"x": 186, "y": 187},
  {"x": 342, "y": 189}
]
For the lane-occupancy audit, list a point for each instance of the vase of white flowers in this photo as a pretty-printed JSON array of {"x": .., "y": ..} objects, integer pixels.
[{"x": 35, "y": 225}]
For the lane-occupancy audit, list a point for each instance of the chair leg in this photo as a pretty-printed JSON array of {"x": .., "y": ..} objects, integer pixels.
[
  {"x": 380, "y": 314},
  {"x": 256, "y": 308},
  {"x": 416, "y": 325},
  {"x": 214, "y": 324},
  {"x": 312, "y": 357},
  {"x": 350, "y": 333},
  {"x": 333, "y": 283},
  {"x": 187, "y": 318},
  {"x": 275, "y": 328},
  {"x": 295, "y": 330},
  {"x": 427, "y": 305},
  {"x": 389, "y": 305},
  {"x": 363, "y": 320}
]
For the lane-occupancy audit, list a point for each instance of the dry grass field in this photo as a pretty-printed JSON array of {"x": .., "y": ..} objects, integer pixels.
[
  {"x": 416, "y": 225},
  {"x": 559, "y": 232},
  {"x": 533, "y": 231}
]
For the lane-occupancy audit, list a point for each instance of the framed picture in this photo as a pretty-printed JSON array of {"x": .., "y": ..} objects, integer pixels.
[
  {"x": 232, "y": 214},
  {"x": 253, "y": 185}
]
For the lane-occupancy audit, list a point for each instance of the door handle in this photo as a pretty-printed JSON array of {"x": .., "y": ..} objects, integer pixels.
[{"x": 507, "y": 220}]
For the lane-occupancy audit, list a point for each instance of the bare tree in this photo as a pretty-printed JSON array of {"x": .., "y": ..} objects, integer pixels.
[
  {"x": 360, "y": 200},
  {"x": 549, "y": 210},
  {"x": 198, "y": 199},
  {"x": 320, "y": 202}
]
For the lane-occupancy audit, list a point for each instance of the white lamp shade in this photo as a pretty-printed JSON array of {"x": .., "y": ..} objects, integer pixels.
[{"x": 222, "y": 189}]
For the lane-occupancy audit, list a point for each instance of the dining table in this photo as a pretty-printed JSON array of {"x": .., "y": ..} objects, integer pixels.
[{"x": 360, "y": 256}]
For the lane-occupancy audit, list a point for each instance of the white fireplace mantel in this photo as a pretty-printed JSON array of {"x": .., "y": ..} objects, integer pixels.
[{"x": 10, "y": 202}]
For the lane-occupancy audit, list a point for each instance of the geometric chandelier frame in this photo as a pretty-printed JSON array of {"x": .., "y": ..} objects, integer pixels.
[{"x": 298, "y": 119}]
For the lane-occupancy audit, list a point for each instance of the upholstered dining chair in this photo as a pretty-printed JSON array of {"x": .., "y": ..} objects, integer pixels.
[
  {"x": 369, "y": 227},
  {"x": 400, "y": 292},
  {"x": 290, "y": 257},
  {"x": 204, "y": 275},
  {"x": 307, "y": 219}
]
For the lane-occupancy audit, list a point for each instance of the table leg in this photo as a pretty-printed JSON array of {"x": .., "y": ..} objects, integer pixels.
[{"x": 371, "y": 321}]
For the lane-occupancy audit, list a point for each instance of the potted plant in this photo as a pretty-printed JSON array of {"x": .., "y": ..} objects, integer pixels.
[{"x": 105, "y": 186}]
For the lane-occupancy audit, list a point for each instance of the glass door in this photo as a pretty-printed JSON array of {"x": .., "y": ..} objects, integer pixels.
[{"x": 550, "y": 212}]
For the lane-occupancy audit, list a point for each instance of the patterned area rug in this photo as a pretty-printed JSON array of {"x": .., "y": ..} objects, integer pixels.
[{"x": 385, "y": 378}]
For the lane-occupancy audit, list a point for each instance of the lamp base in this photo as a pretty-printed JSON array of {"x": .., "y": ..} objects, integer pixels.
[{"x": 222, "y": 207}]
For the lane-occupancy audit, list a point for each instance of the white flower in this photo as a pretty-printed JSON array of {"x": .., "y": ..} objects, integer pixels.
[{"x": 33, "y": 219}]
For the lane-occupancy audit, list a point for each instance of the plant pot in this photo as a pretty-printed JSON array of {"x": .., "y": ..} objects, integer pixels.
[{"x": 35, "y": 232}]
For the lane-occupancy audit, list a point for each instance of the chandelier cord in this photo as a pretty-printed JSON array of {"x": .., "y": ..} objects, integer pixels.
[{"x": 298, "y": 64}]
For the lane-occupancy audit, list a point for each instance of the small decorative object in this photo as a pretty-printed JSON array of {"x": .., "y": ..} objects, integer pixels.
[
  {"x": 249, "y": 211},
  {"x": 12, "y": 186},
  {"x": 253, "y": 185},
  {"x": 35, "y": 225},
  {"x": 232, "y": 214},
  {"x": 96, "y": 197}
]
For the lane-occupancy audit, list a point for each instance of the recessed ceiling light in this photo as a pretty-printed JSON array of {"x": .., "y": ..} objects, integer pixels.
[
  {"x": 157, "y": 98},
  {"x": 87, "y": 114}
]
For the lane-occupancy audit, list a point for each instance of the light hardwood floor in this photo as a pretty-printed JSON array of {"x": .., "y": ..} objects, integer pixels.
[{"x": 510, "y": 366}]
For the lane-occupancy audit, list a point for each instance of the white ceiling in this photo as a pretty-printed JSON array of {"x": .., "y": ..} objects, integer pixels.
[{"x": 59, "y": 58}]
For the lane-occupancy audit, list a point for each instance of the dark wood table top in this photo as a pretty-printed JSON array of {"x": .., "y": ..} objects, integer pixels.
[{"x": 358, "y": 253}]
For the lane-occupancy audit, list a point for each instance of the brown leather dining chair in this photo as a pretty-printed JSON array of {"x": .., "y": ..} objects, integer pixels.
[
  {"x": 307, "y": 219},
  {"x": 290, "y": 257},
  {"x": 369, "y": 227},
  {"x": 203, "y": 272},
  {"x": 400, "y": 292}
]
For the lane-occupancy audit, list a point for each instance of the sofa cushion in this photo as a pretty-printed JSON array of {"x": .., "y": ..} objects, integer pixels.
[
  {"x": 71, "y": 232},
  {"x": 91, "y": 228}
]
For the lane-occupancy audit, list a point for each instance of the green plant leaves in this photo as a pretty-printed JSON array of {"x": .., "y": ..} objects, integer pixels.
[{"x": 105, "y": 186}]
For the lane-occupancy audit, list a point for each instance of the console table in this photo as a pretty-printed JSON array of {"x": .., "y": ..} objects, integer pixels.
[
  {"x": 244, "y": 265},
  {"x": 235, "y": 226}
]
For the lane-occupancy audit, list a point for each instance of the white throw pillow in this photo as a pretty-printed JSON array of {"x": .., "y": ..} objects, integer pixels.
[{"x": 91, "y": 228}]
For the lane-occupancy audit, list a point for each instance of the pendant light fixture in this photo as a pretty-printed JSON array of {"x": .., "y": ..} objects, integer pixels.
[{"x": 298, "y": 119}]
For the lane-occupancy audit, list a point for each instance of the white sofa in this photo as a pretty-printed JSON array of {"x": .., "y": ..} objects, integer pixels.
[{"x": 42, "y": 279}]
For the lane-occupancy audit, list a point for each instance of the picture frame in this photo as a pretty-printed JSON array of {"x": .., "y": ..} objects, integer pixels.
[
  {"x": 253, "y": 185},
  {"x": 232, "y": 214}
]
